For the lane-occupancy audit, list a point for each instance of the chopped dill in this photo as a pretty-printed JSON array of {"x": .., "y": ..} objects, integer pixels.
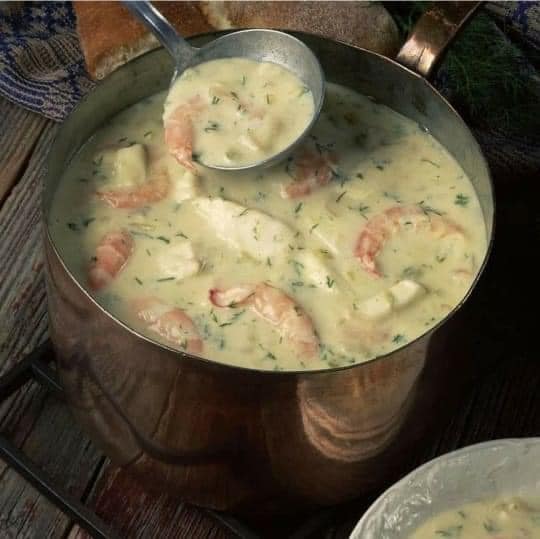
[
  {"x": 340, "y": 196},
  {"x": 424, "y": 160},
  {"x": 461, "y": 200},
  {"x": 212, "y": 126},
  {"x": 428, "y": 209}
]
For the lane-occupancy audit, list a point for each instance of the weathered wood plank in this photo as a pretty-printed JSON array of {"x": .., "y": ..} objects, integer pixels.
[
  {"x": 137, "y": 514},
  {"x": 37, "y": 423},
  {"x": 18, "y": 135},
  {"x": 22, "y": 294},
  {"x": 57, "y": 445}
]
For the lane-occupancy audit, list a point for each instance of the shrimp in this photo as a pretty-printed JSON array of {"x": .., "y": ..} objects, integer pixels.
[
  {"x": 312, "y": 170},
  {"x": 170, "y": 322},
  {"x": 179, "y": 131},
  {"x": 275, "y": 307},
  {"x": 112, "y": 254},
  {"x": 152, "y": 190},
  {"x": 381, "y": 227}
]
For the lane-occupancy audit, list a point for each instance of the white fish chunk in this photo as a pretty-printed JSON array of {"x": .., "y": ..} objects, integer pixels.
[
  {"x": 178, "y": 261},
  {"x": 316, "y": 272},
  {"x": 248, "y": 230}
]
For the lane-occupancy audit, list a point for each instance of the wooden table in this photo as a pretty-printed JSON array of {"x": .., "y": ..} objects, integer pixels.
[{"x": 505, "y": 402}]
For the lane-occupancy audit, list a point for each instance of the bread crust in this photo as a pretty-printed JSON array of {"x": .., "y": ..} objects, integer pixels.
[{"x": 110, "y": 35}]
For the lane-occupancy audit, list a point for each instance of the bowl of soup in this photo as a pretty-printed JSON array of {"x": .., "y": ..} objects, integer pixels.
[
  {"x": 260, "y": 340},
  {"x": 487, "y": 490}
]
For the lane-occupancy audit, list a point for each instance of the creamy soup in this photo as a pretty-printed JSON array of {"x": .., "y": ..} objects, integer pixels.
[
  {"x": 513, "y": 518},
  {"x": 360, "y": 242},
  {"x": 233, "y": 112}
]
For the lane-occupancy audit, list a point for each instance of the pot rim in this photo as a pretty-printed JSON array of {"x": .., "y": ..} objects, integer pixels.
[{"x": 286, "y": 373}]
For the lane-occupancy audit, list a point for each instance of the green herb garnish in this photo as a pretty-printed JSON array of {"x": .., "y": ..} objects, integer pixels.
[
  {"x": 451, "y": 531},
  {"x": 424, "y": 160},
  {"x": 212, "y": 126},
  {"x": 461, "y": 199},
  {"x": 428, "y": 209},
  {"x": 340, "y": 196}
]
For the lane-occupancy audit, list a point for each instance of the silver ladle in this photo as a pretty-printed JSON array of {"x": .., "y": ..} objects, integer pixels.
[{"x": 261, "y": 45}]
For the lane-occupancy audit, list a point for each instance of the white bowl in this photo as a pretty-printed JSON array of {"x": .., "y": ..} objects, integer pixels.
[{"x": 474, "y": 473}]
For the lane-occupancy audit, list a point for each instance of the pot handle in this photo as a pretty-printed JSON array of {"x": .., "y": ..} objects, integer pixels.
[{"x": 433, "y": 32}]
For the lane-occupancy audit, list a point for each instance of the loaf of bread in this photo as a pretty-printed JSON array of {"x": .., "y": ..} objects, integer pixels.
[{"x": 110, "y": 35}]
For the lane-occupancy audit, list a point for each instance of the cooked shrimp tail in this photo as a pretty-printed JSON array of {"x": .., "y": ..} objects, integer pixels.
[
  {"x": 170, "y": 322},
  {"x": 278, "y": 309},
  {"x": 112, "y": 254}
]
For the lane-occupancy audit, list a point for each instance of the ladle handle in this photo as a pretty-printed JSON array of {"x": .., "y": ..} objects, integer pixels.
[
  {"x": 433, "y": 32},
  {"x": 175, "y": 44}
]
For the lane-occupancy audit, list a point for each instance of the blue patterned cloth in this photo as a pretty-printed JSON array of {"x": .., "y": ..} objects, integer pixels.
[{"x": 41, "y": 63}]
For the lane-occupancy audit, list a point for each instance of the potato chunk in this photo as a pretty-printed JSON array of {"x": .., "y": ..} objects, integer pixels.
[
  {"x": 185, "y": 184},
  {"x": 248, "y": 230},
  {"x": 398, "y": 296},
  {"x": 405, "y": 292},
  {"x": 377, "y": 306},
  {"x": 130, "y": 166}
]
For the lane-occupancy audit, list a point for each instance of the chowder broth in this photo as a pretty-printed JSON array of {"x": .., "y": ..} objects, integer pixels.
[
  {"x": 505, "y": 518},
  {"x": 242, "y": 111},
  {"x": 366, "y": 238}
]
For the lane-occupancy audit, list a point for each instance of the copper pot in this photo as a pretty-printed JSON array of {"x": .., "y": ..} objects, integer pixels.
[{"x": 247, "y": 440}]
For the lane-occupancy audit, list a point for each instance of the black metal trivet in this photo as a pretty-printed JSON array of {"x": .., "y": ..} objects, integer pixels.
[{"x": 36, "y": 367}]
